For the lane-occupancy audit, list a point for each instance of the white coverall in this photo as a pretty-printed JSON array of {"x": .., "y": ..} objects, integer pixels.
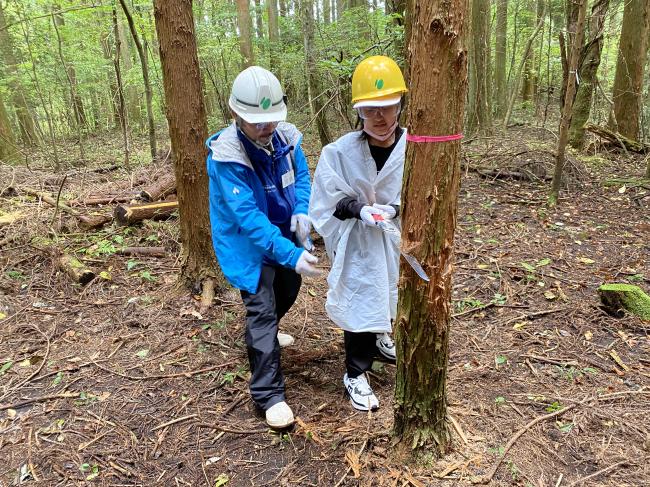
[{"x": 362, "y": 295}]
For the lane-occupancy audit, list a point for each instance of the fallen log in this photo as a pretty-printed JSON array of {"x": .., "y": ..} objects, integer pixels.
[
  {"x": 146, "y": 251},
  {"x": 617, "y": 297},
  {"x": 104, "y": 200},
  {"x": 617, "y": 139},
  {"x": 87, "y": 222},
  {"x": 74, "y": 268},
  {"x": 127, "y": 215},
  {"x": 164, "y": 185}
]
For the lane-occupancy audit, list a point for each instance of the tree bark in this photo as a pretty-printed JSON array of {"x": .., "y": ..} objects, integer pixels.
[
  {"x": 628, "y": 81},
  {"x": 245, "y": 25},
  {"x": 75, "y": 269},
  {"x": 259, "y": 25},
  {"x": 164, "y": 185},
  {"x": 188, "y": 132},
  {"x": 517, "y": 81},
  {"x": 500, "y": 92},
  {"x": 145, "y": 77},
  {"x": 479, "y": 118},
  {"x": 438, "y": 79},
  {"x": 274, "y": 36},
  {"x": 567, "y": 109},
  {"x": 527, "y": 75},
  {"x": 120, "y": 91},
  {"x": 129, "y": 214},
  {"x": 7, "y": 140},
  {"x": 589, "y": 62},
  {"x": 318, "y": 109},
  {"x": 11, "y": 62}
]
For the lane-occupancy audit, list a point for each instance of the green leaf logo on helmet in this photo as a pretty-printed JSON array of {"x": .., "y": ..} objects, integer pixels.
[
  {"x": 265, "y": 103},
  {"x": 379, "y": 84}
]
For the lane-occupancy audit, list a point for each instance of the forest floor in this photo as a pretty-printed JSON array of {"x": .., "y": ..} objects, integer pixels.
[{"x": 123, "y": 382}]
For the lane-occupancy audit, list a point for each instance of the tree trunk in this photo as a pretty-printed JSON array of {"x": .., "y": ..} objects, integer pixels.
[
  {"x": 517, "y": 80},
  {"x": 326, "y": 11},
  {"x": 500, "y": 91},
  {"x": 274, "y": 36},
  {"x": 438, "y": 79},
  {"x": 188, "y": 131},
  {"x": 25, "y": 120},
  {"x": 75, "y": 100},
  {"x": 245, "y": 33},
  {"x": 590, "y": 60},
  {"x": 7, "y": 141},
  {"x": 567, "y": 109},
  {"x": 628, "y": 82},
  {"x": 259, "y": 26},
  {"x": 120, "y": 90},
  {"x": 479, "y": 118},
  {"x": 527, "y": 75},
  {"x": 318, "y": 109},
  {"x": 145, "y": 78}
]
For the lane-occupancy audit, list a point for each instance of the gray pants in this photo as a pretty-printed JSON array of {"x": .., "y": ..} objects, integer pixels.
[{"x": 276, "y": 292}]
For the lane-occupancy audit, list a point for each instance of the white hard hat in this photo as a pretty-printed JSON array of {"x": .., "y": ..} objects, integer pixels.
[{"x": 257, "y": 96}]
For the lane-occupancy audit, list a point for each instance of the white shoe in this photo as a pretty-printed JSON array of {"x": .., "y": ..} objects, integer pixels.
[
  {"x": 360, "y": 392},
  {"x": 285, "y": 340},
  {"x": 279, "y": 416},
  {"x": 386, "y": 346}
]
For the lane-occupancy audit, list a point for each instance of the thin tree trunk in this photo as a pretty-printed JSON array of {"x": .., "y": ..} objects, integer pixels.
[
  {"x": 19, "y": 101},
  {"x": 44, "y": 105},
  {"x": 628, "y": 82},
  {"x": 438, "y": 79},
  {"x": 590, "y": 60},
  {"x": 500, "y": 91},
  {"x": 316, "y": 104},
  {"x": 120, "y": 91},
  {"x": 326, "y": 11},
  {"x": 527, "y": 75},
  {"x": 576, "y": 46},
  {"x": 8, "y": 149},
  {"x": 274, "y": 36},
  {"x": 145, "y": 78},
  {"x": 259, "y": 26},
  {"x": 130, "y": 90},
  {"x": 187, "y": 132},
  {"x": 69, "y": 71},
  {"x": 517, "y": 80},
  {"x": 479, "y": 117},
  {"x": 245, "y": 33}
]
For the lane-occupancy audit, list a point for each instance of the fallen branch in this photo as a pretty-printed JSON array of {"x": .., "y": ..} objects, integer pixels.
[
  {"x": 163, "y": 186},
  {"x": 146, "y": 251},
  {"x": 174, "y": 421},
  {"x": 38, "y": 399},
  {"x": 230, "y": 430},
  {"x": 599, "y": 472},
  {"x": 74, "y": 268},
  {"x": 163, "y": 376},
  {"x": 617, "y": 139},
  {"x": 126, "y": 215},
  {"x": 488, "y": 478},
  {"x": 86, "y": 221}
]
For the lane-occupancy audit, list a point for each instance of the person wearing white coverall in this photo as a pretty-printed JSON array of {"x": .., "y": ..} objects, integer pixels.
[
  {"x": 358, "y": 176},
  {"x": 259, "y": 194}
]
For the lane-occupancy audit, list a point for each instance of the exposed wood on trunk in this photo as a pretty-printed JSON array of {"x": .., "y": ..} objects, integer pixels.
[
  {"x": 127, "y": 215},
  {"x": 163, "y": 186},
  {"x": 74, "y": 268},
  {"x": 617, "y": 139},
  {"x": 87, "y": 222}
]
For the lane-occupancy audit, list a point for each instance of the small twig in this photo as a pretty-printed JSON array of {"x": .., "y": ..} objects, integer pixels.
[
  {"x": 596, "y": 474},
  {"x": 38, "y": 371},
  {"x": 58, "y": 199},
  {"x": 38, "y": 399},
  {"x": 230, "y": 430},
  {"x": 174, "y": 421},
  {"x": 163, "y": 376},
  {"x": 488, "y": 478},
  {"x": 363, "y": 447}
]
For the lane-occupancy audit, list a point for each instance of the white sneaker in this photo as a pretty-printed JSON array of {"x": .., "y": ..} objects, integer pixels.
[
  {"x": 285, "y": 340},
  {"x": 360, "y": 392},
  {"x": 386, "y": 346},
  {"x": 279, "y": 416}
]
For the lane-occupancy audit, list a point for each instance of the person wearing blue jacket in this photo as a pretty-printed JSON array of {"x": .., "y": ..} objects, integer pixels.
[{"x": 259, "y": 197}]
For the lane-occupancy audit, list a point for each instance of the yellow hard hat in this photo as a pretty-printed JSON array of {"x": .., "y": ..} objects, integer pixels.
[{"x": 377, "y": 80}]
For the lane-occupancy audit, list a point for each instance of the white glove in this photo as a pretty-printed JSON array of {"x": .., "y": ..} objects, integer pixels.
[
  {"x": 388, "y": 209},
  {"x": 367, "y": 212},
  {"x": 306, "y": 264},
  {"x": 301, "y": 225}
]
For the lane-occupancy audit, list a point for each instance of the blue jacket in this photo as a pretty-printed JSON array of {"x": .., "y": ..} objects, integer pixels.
[{"x": 249, "y": 213}]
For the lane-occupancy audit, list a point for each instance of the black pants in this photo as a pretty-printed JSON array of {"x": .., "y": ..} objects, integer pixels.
[
  {"x": 276, "y": 292},
  {"x": 360, "y": 350}
]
